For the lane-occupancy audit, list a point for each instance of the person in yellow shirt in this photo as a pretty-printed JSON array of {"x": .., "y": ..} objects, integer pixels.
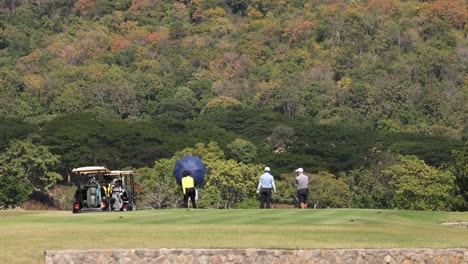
[{"x": 188, "y": 187}]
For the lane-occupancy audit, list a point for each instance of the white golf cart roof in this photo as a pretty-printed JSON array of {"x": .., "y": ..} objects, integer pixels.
[
  {"x": 120, "y": 172},
  {"x": 91, "y": 170}
]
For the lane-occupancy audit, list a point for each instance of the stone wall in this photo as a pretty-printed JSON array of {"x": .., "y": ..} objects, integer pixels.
[{"x": 213, "y": 256}]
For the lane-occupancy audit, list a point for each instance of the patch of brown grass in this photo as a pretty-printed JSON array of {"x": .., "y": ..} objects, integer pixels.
[{"x": 282, "y": 206}]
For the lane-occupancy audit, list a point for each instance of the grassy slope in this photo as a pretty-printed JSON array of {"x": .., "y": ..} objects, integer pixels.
[{"x": 26, "y": 234}]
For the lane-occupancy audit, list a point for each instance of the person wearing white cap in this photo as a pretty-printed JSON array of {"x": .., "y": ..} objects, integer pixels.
[
  {"x": 302, "y": 183},
  {"x": 265, "y": 184}
]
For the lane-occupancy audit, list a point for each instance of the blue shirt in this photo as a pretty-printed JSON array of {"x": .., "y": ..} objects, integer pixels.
[{"x": 267, "y": 181}]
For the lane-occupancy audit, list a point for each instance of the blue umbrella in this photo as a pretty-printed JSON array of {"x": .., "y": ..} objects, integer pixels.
[{"x": 192, "y": 164}]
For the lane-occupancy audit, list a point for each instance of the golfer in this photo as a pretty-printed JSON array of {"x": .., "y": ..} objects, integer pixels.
[
  {"x": 302, "y": 182},
  {"x": 265, "y": 184},
  {"x": 188, "y": 187}
]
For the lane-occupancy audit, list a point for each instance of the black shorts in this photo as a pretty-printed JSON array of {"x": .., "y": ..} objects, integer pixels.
[{"x": 302, "y": 195}]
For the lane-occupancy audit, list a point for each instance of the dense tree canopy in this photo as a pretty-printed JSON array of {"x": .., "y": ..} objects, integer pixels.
[{"x": 385, "y": 65}]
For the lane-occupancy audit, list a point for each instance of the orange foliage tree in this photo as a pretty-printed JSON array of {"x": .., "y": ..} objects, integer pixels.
[
  {"x": 154, "y": 38},
  {"x": 383, "y": 7},
  {"x": 120, "y": 44},
  {"x": 83, "y": 6},
  {"x": 454, "y": 12},
  {"x": 142, "y": 7},
  {"x": 78, "y": 53},
  {"x": 298, "y": 29}
]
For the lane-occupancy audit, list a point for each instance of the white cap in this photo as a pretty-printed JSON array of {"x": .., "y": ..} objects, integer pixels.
[
  {"x": 300, "y": 170},
  {"x": 267, "y": 168}
]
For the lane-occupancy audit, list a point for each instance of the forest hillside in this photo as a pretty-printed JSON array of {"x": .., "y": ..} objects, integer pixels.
[{"x": 345, "y": 89}]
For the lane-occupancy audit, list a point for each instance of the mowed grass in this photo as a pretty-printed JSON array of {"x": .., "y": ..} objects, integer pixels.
[{"x": 27, "y": 234}]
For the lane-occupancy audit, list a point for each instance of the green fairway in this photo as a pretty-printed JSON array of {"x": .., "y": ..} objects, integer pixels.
[{"x": 26, "y": 234}]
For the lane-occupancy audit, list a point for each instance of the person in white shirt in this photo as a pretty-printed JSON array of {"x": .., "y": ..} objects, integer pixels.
[
  {"x": 302, "y": 183},
  {"x": 265, "y": 184}
]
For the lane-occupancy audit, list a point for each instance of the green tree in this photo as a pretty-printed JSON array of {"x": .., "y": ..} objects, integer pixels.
[
  {"x": 281, "y": 138},
  {"x": 25, "y": 167},
  {"x": 366, "y": 189},
  {"x": 327, "y": 191},
  {"x": 207, "y": 152},
  {"x": 220, "y": 104},
  {"x": 228, "y": 183},
  {"x": 176, "y": 103},
  {"x": 25, "y": 106},
  {"x": 242, "y": 150},
  {"x": 238, "y": 6},
  {"x": 460, "y": 170},
  {"x": 13, "y": 128},
  {"x": 418, "y": 186},
  {"x": 158, "y": 187},
  {"x": 12, "y": 193},
  {"x": 10, "y": 84},
  {"x": 69, "y": 101},
  {"x": 284, "y": 93}
]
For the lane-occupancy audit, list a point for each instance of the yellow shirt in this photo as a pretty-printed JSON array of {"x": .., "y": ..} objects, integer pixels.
[{"x": 187, "y": 182}]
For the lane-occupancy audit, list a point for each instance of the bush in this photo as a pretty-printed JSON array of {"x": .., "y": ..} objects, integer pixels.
[{"x": 248, "y": 203}]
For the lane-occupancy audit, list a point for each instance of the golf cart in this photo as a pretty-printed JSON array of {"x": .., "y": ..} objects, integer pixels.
[
  {"x": 100, "y": 189},
  {"x": 120, "y": 191}
]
